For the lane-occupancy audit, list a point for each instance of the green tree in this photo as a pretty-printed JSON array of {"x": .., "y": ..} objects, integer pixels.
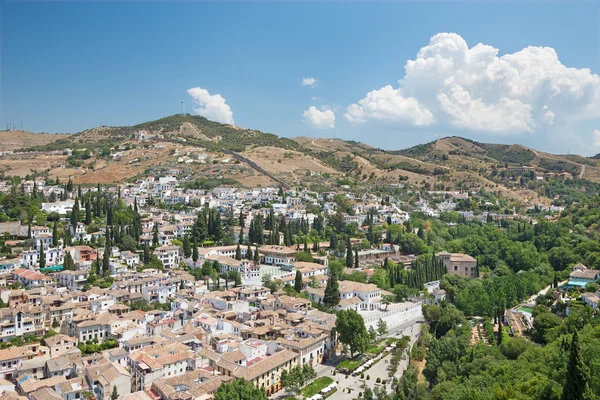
[
  {"x": 55, "y": 234},
  {"x": 238, "y": 253},
  {"x": 577, "y": 376},
  {"x": 351, "y": 329},
  {"x": 114, "y": 394},
  {"x": 69, "y": 264},
  {"x": 387, "y": 299},
  {"x": 195, "y": 252},
  {"x": 331, "y": 297},
  {"x": 42, "y": 261},
  {"x": 55, "y": 323},
  {"x": 298, "y": 282},
  {"x": 256, "y": 255},
  {"x": 372, "y": 333},
  {"x": 382, "y": 328},
  {"x": 187, "y": 246},
  {"x": 240, "y": 389},
  {"x": 349, "y": 258}
]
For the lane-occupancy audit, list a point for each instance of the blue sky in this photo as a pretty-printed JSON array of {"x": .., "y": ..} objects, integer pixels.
[{"x": 68, "y": 66}]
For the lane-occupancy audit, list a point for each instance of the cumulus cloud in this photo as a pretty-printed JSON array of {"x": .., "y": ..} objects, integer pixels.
[
  {"x": 596, "y": 135},
  {"x": 322, "y": 119},
  {"x": 312, "y": 82},
  {"x": 211, "y": 106},
  {"x": 449, "y": 84}
]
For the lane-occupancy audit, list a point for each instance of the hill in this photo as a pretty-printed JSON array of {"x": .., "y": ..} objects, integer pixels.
[
  {"x": 15, "y": 140},
  {"x": 209, "y": 151}
]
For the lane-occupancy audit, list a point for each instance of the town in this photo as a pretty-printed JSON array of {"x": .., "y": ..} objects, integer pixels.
[
  {"x": 299, "y": 200},
  {"x": 149, "y": 290}
]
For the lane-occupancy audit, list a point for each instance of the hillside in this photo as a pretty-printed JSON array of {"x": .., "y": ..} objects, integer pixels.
[
  {"x": 203, "y": 149},
  {"x": 14, "y": 140}
]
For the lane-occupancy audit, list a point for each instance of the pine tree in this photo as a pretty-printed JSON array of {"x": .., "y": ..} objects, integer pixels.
[
  {"x": 298, "y": 282},
  {"x": 238, "y": 253},
  {"x": 331, "y": 298},
  {"x": 577, "y": 376}
]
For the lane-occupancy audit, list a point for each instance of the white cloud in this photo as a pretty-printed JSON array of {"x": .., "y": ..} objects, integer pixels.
[
  {"x": 315, "y": 98},
  {"x": 312, "y": 82},
  {"x": 210, "y": 106},
  {"x": 596, "y": 135},
  {"x": 322, "y": 119},
  {"x": 451, "y": 85}
]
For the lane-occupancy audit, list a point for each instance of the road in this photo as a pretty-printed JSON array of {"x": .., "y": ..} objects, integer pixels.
[
  {"x": 379, "y": 369},
  {"x": 543, "y": 291}
]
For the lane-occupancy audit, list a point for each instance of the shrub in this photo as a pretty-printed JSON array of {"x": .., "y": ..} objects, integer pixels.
[
  {"x": 378, "y": 380},
  {"x": 368, "y": 377}
]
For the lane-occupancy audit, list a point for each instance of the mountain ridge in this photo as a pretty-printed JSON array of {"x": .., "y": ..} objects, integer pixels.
[{"x": 451, "y": 163}]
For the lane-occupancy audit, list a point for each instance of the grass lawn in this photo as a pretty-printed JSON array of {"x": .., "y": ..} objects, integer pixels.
[
  {"x": 375, "y": 349},
  {"x": 351, "y": 365},
  {"x": 316, "y": 386}
]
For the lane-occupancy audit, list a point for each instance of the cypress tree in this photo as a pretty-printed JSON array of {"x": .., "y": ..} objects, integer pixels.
[
  {"x": 305, "y": 244},
  {"x": 42, "y": 258},
  {"x": 106, "y": 260},
  {"x": 577, "y": 376},
  {"x": 187, "y": 246},
  {"x": 249, "y": 253},
  {"x": 155, "y": 239},
  {"x": 349, "y": 257},
  {"x": 88, "y": 212},
  {"x": 333, "y": 240},
  {"x": 195, "y": 252},
  {"x": 238, "y": 253},
  {"x": 298, "y": 282},
  {"x": 499, "y": 340},
  {"x": 146, "y": 255},
  {"x": 69, "y": 265},
  {"x": 555, "y": 282},
  {"x": 331, "y": 298},
  {"x": 256, "y": 255},
  {"x": 355, "y": 258},
  {"x": 55, "y": 234}
]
